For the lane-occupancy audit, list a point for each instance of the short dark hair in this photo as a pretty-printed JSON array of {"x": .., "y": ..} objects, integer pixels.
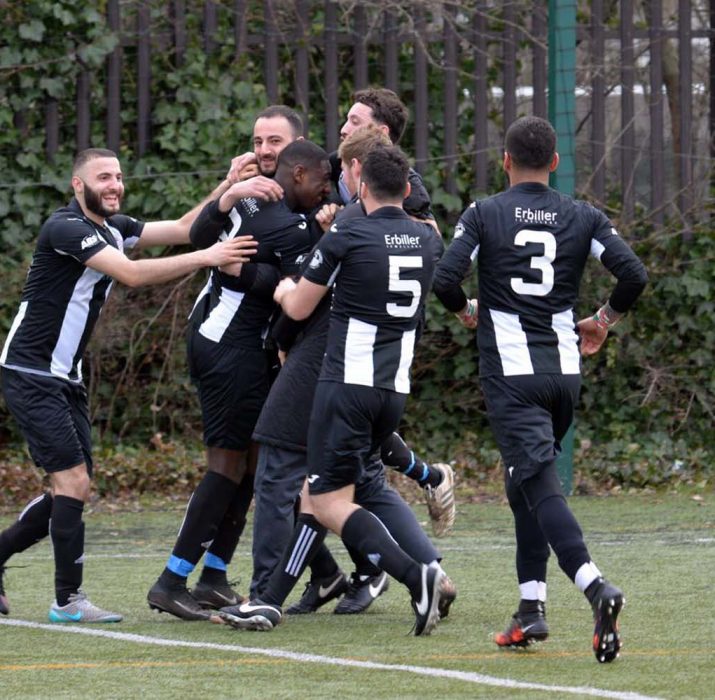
[
  {"x": 531, "y": 143},
  {"x": 302, "y": 152},
  {"x": 384, "y": 171},
  {"x": 90, "y": 154},
  {"x": 387, "y": 108},
  {"x": 290, "y": 115}
]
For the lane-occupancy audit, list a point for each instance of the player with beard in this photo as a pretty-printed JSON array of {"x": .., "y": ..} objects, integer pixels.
[
  {"x": 279, "y": 552},
  {"x": 228, "y": 365},
  {"x": 382, "y": 266},
  {"x": 275, "y": 127},
  {"x": 79, "y": 252},
  {"x": 280, "y": 430}
]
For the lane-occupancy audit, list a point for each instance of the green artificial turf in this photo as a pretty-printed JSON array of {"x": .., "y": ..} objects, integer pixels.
[{"x": 659, "y": 548}]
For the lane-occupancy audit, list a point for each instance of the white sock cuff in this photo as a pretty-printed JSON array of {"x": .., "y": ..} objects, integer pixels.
[
  {"x": 586, "y": 575},
  {"x": 533, "y": 590}
]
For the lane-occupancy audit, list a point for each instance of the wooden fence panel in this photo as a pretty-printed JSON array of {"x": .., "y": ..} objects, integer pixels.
[
  {"x": 657, "y": 146},
  {"x": 143, "y": 79},
  {"x": 509, "y": 64},
  {"x": 270, "y": 66},
  {"x": 391, "y": 51},
  {"x": 628, "y": 140},
  {"x": 421, "y": 111},
  {"x": 240, "y": 32},
  {"x": 114, "y": 81},
  {"x": 450, "y": 99},
  {"x": 362, "y": 44},
  {"x": 360, "y": 47},
  {"x": 481, "y": 97},
  {"x": 302, "y": 66},
  {"x": 598, "y": 102},
  {"x": 83, "y": 112},
  {"x": 685, "y": 62},
  {"x": 331, "y": 76},
  {"x": 210, "y": 26},
  {"x": 179, "y": 27},
  {"x": 539, "y": 55}
]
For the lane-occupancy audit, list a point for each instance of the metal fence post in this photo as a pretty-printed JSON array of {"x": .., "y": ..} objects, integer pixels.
[{"x": 562, "y": 114}]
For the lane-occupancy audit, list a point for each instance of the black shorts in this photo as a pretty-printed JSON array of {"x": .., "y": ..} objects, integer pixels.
[
  {"x": 348, "y": 423},
  {"x": 233, "y": 384},
  {"x": 529, "y": 416},
  {"x": 53, "y": 417}
]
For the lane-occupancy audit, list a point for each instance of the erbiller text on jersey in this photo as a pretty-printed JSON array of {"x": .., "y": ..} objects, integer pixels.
[
  {"x": 535, "y": 216},
  {"x": 401, "y": 240}
]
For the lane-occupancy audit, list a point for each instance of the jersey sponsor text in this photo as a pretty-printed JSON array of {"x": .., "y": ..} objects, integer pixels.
[
  {"x": 535, "y": 216},
  {"x": 402, "y": 240}
]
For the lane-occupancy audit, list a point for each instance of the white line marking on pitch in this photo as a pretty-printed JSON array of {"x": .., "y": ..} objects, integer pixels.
[{"x": 476, "y": 678}]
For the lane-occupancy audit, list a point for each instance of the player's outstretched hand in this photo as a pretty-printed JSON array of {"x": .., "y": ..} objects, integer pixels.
[
  {"x": 592, "y": 335},
  {"x": 469, "y": 315},
  {"x": 284, "y": 286},
  {"x": 326, "y": 215},
  {"x": 242, "y": 167},
  {"x": 234, "y": 250}
]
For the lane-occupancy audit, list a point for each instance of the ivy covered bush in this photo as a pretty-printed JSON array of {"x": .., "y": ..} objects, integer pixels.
[{"x": 647, "y": 408}]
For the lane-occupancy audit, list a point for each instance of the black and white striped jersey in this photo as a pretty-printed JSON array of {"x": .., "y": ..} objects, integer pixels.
[
  {"x": 226, "y": 311},
  {"x": 382, "y": 267},
  {"x": 62, "y": 298},
  {"x": 531, "y": 244}
]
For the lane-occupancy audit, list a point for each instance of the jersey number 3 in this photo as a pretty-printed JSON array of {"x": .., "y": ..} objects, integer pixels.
[
  {"x": 538, "y": 262},
  {"x": 411, "y": 287}
]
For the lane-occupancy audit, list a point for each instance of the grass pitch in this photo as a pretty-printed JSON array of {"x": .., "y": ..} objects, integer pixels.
[{"x": 659, "y": 548}]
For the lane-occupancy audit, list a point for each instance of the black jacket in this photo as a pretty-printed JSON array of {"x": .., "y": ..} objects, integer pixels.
[{"x": 418, "y": 204}]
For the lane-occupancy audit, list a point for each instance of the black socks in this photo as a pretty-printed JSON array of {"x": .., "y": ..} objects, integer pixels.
[
  {"x": 307, "y": 538},
  {"x": 67, "y": 534},
  {"x": 323, "y": 563},
  {"x": 363, "y": 531},
  {"x": 396, "y": 455},
  {"x": 206, "y": 510},
  {"x": 31, "y": 526},
  {"x": 230, "y": 529},
  {"x": 363, "y": 566}
]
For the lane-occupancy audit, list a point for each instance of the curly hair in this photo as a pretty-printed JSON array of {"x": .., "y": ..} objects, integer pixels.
[{"x": 387, "y": 108}]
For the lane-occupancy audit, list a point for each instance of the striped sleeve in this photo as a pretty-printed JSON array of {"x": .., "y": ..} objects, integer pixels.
[{"x": 457, "y": 261}]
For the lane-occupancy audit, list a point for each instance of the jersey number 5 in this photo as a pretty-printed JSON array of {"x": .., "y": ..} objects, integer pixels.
[
  {"x": 411, "y": 287},
  {"x": 538, "y": 262}
]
